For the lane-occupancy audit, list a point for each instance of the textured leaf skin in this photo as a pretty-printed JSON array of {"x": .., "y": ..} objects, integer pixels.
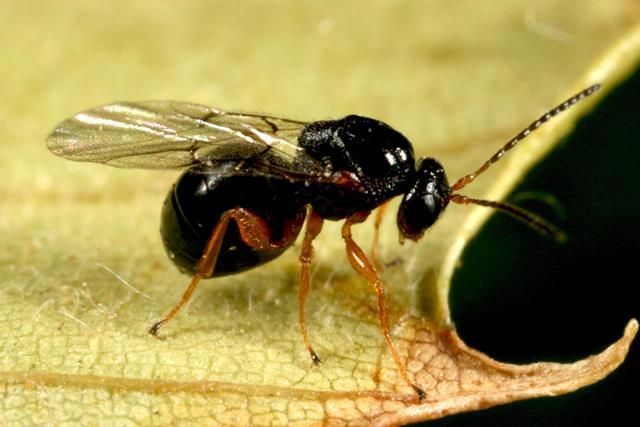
[{"x": 74, "y": 345}]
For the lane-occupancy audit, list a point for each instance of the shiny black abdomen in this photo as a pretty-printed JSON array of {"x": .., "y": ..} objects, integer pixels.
[{"x": 198, "y": 199}]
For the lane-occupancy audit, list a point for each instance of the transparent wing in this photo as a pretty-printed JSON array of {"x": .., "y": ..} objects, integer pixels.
[{"x": 169, "y": 134}]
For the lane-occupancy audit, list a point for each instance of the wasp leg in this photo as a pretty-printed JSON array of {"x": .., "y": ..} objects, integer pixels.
[
  {"x": 382, "y": 209},
  {"x": 363, "y": 266},
  {"x": 314, "y": 226},
  {"x": 253, "y": 231}
]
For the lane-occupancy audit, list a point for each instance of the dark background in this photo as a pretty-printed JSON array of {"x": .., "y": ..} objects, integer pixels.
[{"x": 539, "y": 301}]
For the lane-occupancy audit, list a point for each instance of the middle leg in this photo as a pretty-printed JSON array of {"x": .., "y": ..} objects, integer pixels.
[{"x": 314, "y": 226}]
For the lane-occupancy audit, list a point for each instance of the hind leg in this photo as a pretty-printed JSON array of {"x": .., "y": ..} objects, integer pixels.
[{"x": 254, "y": 231}]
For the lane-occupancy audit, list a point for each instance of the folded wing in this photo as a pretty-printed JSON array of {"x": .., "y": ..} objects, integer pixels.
[{"x": 172, "y": 135}]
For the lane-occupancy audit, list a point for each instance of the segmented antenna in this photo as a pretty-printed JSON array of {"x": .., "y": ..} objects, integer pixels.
[
  {"x": 532, "y": 220},
  {"x": 524, "y": 133}
]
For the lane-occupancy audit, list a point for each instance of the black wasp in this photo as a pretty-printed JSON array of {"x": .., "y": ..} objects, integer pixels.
[{"x": 251, "y": 180}]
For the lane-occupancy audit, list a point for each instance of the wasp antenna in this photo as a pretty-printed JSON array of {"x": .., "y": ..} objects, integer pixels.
[
  {"x": 528, "y": 218},
  {"x": 524, "y": 133}
]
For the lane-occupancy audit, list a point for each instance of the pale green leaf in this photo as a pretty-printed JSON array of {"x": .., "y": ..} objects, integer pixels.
[{"x": 82, "y": 270}]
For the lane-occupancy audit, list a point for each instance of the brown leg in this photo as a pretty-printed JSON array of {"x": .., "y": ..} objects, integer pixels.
[
  {"x": 253, "y": 231},
  {"x": 361, "y": 264},
  {"x": 314, "y": 226},
  {"x": 376, "y": 232}
]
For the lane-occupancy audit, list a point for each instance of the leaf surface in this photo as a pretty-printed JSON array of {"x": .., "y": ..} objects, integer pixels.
[{"x": 82, "y": 270}]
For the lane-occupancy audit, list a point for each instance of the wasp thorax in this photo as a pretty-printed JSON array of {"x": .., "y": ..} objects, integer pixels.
[
  {"x": 368, "y": 147},
  {"x": 379, "y": 156}
]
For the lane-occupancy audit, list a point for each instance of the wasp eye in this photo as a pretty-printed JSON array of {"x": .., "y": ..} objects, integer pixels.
[{"x": 424, "y": 202}]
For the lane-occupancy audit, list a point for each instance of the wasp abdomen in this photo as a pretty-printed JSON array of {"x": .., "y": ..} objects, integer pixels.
[{"x": 194, "y": 205}]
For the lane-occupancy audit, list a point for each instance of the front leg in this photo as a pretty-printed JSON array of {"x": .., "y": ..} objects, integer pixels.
[
  {"x": 382, "y": 209},
  {"x": 367, "y": 270}
]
